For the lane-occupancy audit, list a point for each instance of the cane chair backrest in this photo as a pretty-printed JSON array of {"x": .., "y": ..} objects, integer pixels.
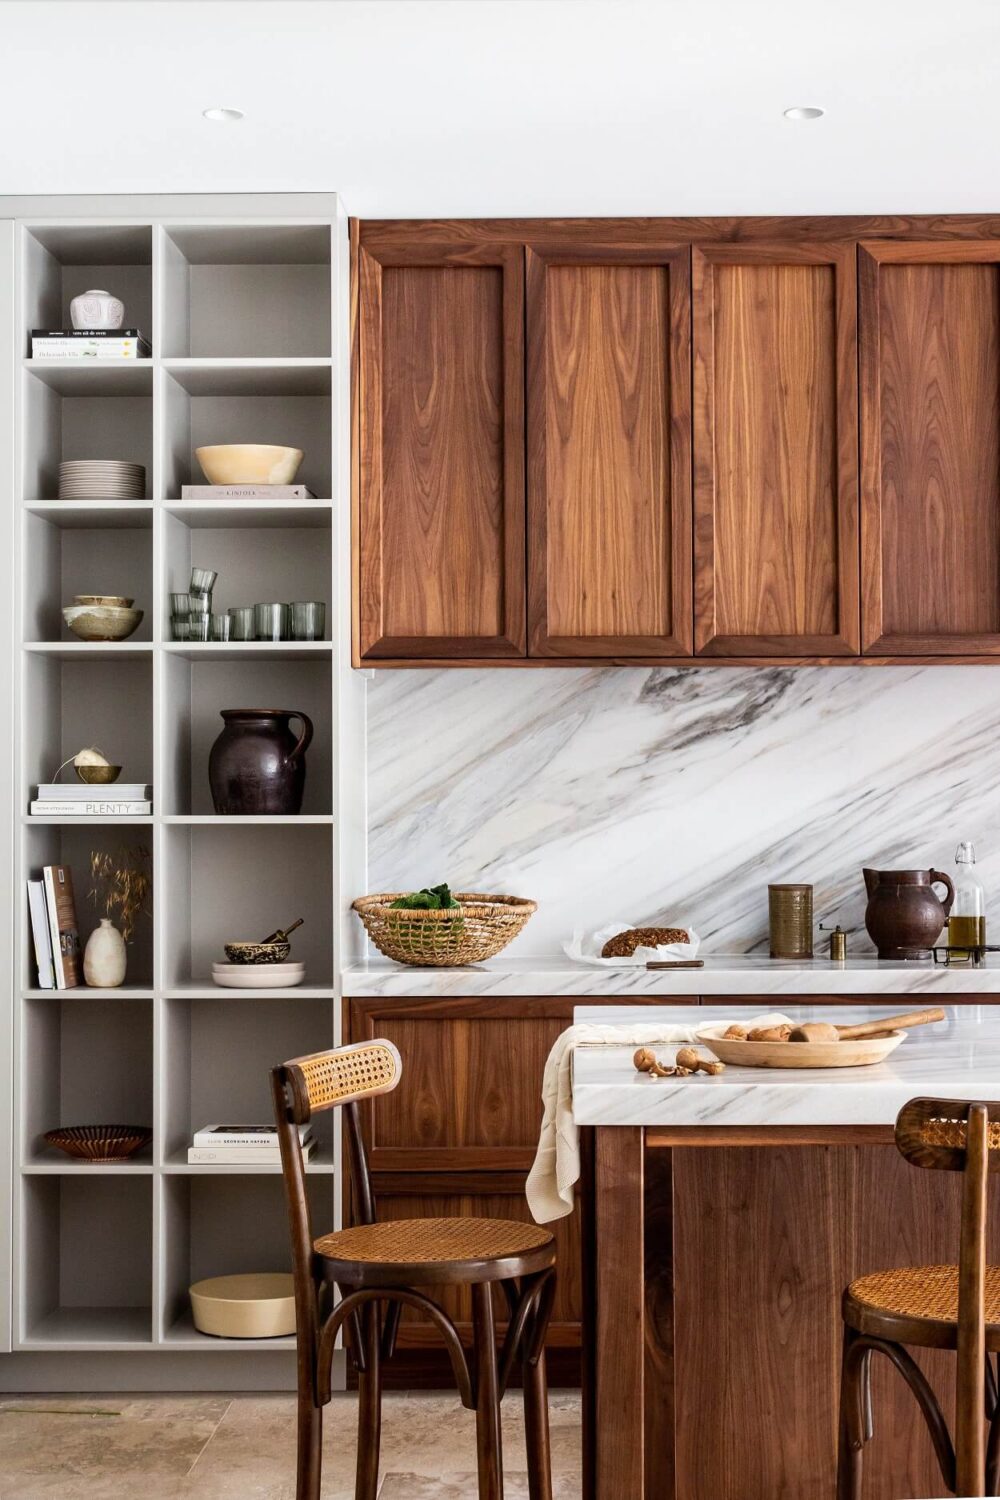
[{"x": 955, "y": 1135}]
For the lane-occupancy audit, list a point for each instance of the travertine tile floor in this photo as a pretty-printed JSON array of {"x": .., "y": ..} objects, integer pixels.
[{"x": 221, "y": 1448}]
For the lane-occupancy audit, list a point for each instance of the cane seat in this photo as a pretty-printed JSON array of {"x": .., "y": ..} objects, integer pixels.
[
  {"x": 925, "y": 1298},
  {"x": 426, "y": 1252}
]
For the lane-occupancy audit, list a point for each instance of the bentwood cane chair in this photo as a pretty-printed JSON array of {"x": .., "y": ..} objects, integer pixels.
[
  {"x": 934, "y": 1307},
  {"x": 376, "y": 1269}
]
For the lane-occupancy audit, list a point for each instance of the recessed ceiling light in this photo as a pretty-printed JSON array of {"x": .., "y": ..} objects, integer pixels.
[
  {"x": 220, "y": 112},
  {"x": 804, "y": 112}
]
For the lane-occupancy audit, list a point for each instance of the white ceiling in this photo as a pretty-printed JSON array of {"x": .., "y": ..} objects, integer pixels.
[{"x": 464, "y": 107}]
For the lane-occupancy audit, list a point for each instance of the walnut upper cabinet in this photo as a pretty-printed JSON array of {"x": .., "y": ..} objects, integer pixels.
[
  {"x": 930, "y": 447},
  {"x": 609, "y": 478},
  {"x": 775, "y": 450},
  {"x": 440, "y": 412}
]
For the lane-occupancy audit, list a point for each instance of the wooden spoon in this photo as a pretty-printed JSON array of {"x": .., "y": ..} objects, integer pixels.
[{"x": 823, "y": 1031}]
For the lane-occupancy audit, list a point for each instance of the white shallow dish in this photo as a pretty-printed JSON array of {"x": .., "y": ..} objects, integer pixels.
[
  {"x": 256, "y": 1305},
  {"x": 258, "y": 976}
]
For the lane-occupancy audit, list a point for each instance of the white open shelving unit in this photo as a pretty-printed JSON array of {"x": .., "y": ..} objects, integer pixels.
[{"x": 247, "y": 318}]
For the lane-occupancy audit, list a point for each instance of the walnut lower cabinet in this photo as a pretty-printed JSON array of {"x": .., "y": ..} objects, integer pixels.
[{"x": 458, "y": 1136}]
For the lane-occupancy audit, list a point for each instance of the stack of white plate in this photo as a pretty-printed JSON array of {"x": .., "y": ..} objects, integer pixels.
[
  {"x": 101, "y": 479},
  {"x": 258, "y": 976}
]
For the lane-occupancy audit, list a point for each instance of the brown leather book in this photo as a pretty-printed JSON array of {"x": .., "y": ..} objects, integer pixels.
[{"x": 63, "y": 927}]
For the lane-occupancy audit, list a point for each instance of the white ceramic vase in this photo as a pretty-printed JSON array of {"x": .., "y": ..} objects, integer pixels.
[
  {"x": 96, "y": 309},
  {"x": 104, "y": 957}
]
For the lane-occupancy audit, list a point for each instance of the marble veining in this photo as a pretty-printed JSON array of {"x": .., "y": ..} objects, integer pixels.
[
  {"x": 679, "y": 793},
  {"x": 956, "y": 1059}
]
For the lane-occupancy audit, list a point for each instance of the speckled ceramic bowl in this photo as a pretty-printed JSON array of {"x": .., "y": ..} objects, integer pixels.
[
  {"x": 102, "y": 622},
  {"x": 257, "y": 953}
]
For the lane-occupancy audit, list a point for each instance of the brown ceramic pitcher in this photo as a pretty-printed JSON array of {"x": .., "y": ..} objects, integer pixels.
[
  {"x": 257, "y": 765},
  {"x": 905, "y": 914}
]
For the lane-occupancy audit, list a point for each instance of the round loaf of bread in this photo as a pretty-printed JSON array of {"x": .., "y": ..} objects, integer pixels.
[{"x": 624, "y": 944}]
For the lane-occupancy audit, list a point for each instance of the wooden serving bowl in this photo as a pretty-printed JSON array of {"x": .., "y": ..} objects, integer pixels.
[
  {"x": 860, "y": 1053},
  {"x": 99, "y": 1143}
]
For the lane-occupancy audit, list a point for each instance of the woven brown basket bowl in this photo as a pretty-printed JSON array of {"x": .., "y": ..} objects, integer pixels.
[
  {"x": 100, "y": 1143},
  {"x": 444, "y": 939}
]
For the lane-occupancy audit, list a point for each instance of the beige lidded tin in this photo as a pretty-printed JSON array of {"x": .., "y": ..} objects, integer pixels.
[{"x": 790, "y": 915}]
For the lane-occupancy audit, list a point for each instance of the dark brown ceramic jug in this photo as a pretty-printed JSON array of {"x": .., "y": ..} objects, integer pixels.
[
  {"x": 257, "y": 765},
  {"x": 905, "y": 914}
]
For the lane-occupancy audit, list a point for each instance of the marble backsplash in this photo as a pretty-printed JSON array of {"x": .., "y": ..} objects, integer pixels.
[{"x": 677, "y": 795}]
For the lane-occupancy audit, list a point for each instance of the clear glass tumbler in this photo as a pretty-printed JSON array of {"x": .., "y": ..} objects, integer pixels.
[
  {"x": 270, "y": 622},
  {"x": 307, "y": 621}
]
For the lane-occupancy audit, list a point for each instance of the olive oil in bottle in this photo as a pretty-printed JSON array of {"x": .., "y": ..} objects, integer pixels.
[{"x": 967, "y": 923}]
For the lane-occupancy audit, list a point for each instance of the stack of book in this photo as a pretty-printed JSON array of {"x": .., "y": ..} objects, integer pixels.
[
  {"x": 88, "y": 343},
  {"x": 72, "y": 799},
  {"x": 242, "y": 1145},
  {"x": 54, "y": 931}
]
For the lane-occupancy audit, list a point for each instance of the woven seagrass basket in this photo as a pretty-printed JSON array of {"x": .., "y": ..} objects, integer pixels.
[{"x": 481, "y": 929}]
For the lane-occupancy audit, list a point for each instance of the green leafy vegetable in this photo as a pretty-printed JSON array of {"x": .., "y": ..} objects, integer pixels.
[{"x": 431, "y": 898}]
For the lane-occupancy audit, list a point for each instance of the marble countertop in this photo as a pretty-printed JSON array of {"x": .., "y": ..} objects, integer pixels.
[
  {"x": 723, "y": 974},
  {"x": 958, "y": 1058}
]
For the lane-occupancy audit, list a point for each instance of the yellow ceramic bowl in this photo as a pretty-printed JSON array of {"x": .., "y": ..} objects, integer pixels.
[
  {"x": 249, "y": 463},
  {"x": 258, "y": 1305}
]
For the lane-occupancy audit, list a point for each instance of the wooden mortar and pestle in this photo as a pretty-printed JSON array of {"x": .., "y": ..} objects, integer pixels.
[{"x": 824, "y": 1031}]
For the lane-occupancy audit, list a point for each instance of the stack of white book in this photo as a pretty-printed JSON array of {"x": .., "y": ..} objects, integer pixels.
[
  {"x": 88, "y": 343},
  {"x": 72, "y": 799},
  {"x": 242, "y": 1145}
]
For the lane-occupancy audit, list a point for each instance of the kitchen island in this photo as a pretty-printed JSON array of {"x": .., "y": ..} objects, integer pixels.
[{"x": 723, "y": 1218}]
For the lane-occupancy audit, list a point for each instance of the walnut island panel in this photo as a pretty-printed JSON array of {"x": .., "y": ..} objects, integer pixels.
[{"x": 723, "y": 1218}]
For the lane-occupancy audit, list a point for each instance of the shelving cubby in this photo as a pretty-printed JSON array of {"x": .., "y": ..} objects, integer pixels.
[
  {"x": 230, "y": 879},
  {"x": 222, "y": 1224},
  {"x": 200, "y": 1029},
  {"x": 69, "y": 559},
  {"x": 91, "y": 1060},
  {"x": 87, "y": 1252},
  {"x": 247, "y": 320}
]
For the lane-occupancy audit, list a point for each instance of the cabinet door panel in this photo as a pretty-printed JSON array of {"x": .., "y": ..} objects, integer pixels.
[
  {"x": 775, "y": 451},
  {"x": 930, "y": 444},
  {"x": 469, "y": 1098},
  {"x": 609, "y": 452},
  {"x": 468, "y": 1087},
  {"x": 441, "y": 436}
]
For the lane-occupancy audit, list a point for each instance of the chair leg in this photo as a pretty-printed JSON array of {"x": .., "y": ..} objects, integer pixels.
[
  {"x": 369, "y": 1405},
  {"x": 309, "y": 1447},
  {"x": 488, "y": 1452},
  {"x": 536, "y": 1396},
  {"x": 850, "y": 1445},
  {"x": 536, "y": 1429}
]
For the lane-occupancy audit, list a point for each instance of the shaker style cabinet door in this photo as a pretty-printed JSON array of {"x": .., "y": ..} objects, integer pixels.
[
  {"x": 609, "y": 483},
  {"x": 930, "y": 447},
  {"x": 440, "y": 414},
  {"x": 775, "y": 450}
]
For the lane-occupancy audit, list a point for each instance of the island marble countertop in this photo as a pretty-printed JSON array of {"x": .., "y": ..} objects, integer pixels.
[
  {"x": 956, "y": 1059},
  {"x": 722, "y": 974}
]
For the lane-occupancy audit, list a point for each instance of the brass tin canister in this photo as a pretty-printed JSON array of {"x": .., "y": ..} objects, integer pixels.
[{"x": 790, "y": 913}]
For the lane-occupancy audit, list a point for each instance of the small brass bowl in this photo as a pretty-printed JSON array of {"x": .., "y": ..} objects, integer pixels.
[
  {"x": 98, "y": 775},
  {"x": 257, "y": 953}
]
